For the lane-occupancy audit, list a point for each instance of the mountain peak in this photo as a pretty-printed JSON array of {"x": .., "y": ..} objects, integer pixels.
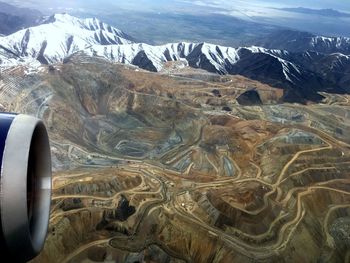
[
  {"x": 64, "y": 35},
  {"x": 61, "y": 18},
  {"x": 59, "y": 36},
  {"x": 92, "y": 24},
  {"x": 64, "y": 17}
]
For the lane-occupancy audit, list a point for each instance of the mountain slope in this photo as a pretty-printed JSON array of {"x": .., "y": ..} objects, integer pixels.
[
  {"x": 274, "y": 67},
  {"x": 13, "y": 18},
  {"x": 301, "y": 75},
  {"x": 297, "y": 41},
  {"x": 59, "y": 36}
]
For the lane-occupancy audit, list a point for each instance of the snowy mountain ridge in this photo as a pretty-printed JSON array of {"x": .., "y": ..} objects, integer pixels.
[
  {"x": 297, "y": 41},
  {"x": 59, "y": 36},
  {"x": 62, "y": 35}
]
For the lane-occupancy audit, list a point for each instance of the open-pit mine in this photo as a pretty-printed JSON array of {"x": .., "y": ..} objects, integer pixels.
[{"x": 186, "y": 166}]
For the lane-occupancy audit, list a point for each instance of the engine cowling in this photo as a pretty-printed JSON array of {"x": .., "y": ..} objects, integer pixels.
[{"x": 25, "y": 186}]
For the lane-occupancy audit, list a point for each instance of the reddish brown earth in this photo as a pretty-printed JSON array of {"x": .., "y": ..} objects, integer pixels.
[{"x": 170, "y": 168}]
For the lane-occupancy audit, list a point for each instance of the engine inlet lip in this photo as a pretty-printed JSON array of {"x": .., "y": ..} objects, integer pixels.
[{"x": 26, "y": 159}]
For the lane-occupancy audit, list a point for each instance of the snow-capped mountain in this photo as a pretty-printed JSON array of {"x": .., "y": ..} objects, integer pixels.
[
  {"x": 59, "y": 36},
  {"x": 213, "y": 58},
  {"x": 297, "y": 41},
  {"x": 302, "y": 75}
]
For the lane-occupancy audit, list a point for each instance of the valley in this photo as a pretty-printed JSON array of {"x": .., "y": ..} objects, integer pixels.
[{"x": 185, "y": 165}]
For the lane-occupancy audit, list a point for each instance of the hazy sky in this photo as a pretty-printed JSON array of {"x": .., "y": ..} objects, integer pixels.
[
  {"x": 168, "y": 5},
  {"x": 258, "y": 11},
  {"x": 342, "y": 5}
]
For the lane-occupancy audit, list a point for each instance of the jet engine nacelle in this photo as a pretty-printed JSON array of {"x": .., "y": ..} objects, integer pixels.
[{"x": 25, "y": 186}]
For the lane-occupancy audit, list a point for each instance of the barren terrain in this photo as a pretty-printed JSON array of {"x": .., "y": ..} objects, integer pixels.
[{"x": 169, "y": 167}]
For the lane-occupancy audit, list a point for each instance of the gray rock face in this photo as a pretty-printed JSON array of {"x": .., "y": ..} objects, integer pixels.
[
  {"x": 249, "y": 98},
  {"x": 340, "y": 231}
]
